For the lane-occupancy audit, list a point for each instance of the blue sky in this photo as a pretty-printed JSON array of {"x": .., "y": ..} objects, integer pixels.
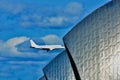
[{"x": 44, "y": 21}]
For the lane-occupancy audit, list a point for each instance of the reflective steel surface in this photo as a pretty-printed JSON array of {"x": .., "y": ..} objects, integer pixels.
[
  {"x": 94, "y": 44},
  {"x": 59, "y": 68}
]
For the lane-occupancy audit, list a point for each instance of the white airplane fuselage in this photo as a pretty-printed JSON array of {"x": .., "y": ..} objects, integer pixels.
[
  {"x": 45, "y": 47},
  {"x": 48, "y": 47}
]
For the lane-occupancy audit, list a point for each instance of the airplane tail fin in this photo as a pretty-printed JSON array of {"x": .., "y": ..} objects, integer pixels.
[{"x": 33, "y": 44}]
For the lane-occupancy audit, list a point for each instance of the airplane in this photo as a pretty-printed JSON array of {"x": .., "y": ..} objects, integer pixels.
[{"x": 45, "y": 47}]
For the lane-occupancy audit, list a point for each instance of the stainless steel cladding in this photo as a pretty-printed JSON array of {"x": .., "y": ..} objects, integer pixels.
[
  {"x": 92, "y": 48},
  {"x": 94, "y": 44},
  {"x": 59, "y": 68}
]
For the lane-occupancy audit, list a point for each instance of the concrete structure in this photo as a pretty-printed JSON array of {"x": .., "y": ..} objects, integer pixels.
[{"x": 93, "y": 46}]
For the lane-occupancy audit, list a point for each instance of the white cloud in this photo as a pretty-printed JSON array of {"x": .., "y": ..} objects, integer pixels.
[
  {"x": 48, "y": 21},
  {"x": 15, "y": 41},
  {"x": 11, "y": 7},
  {"x": 45, "y": 21},
  {"x": 74, "y": 8},
  {"x": 53, "y": 21},
  {"x": 52, "y": 39},
  {"x": 16, "y": 60},
  {"x": 27, "y": 62},
  {"x": 57, "y": 20},
  {"x": 43, "y": 16},
  {"x": 57, "y": 16},
  {"x": 10, "y": 45}
]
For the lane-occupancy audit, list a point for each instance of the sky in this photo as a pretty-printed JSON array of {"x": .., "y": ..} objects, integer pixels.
[{"x": 44, "y": 21}]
